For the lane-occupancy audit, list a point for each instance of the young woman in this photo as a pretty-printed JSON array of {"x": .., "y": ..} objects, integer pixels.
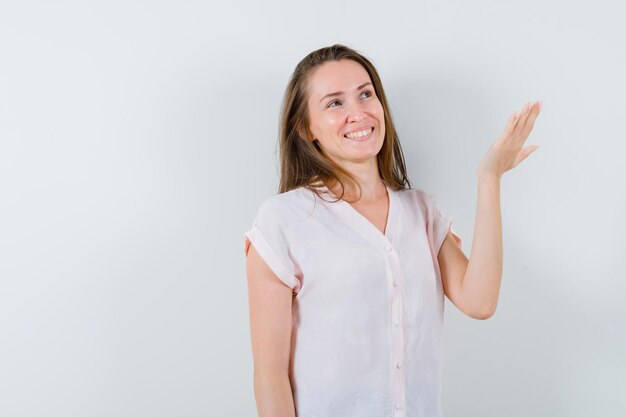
[{"x": 348, "y": 265}]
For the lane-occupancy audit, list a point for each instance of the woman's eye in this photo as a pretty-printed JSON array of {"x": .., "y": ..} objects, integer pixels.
[{"x": 368, "y": 92}]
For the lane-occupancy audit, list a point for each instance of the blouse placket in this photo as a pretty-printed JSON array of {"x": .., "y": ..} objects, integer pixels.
[{"x": 395, "y": 285}]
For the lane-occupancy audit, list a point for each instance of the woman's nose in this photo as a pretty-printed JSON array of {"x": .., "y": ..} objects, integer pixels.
[{"x": 356, "y": 113}]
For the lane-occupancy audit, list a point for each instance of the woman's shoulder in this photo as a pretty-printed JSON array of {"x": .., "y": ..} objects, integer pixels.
[
  {"x": 290, "y": 205},
  {"x": 288, "y": 199},
  {"x": 417, "y": 196}
]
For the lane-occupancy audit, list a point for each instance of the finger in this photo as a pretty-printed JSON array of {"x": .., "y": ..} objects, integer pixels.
[
  {"x": 522, "y": 117},
  {"x": 510, "y": 123},
  {"x": 530, "y": 121}
]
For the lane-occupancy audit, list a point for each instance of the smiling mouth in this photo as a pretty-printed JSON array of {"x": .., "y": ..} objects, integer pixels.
[{"x": 362, "y": 137}]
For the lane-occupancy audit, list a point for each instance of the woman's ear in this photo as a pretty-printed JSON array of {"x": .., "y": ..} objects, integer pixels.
[{"x": 305, "y": 134}]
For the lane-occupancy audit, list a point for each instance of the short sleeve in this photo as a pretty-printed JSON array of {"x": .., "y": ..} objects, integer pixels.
[
  {"x": 271, "y": 242},
  {"x": 441, "y": 223}
]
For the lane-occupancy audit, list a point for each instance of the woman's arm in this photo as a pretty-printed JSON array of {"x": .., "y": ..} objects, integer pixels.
[
  {"x": 474, "y": 285},
  {"x": 270, "y": 330},
  {"x": 481, "y": 282}
]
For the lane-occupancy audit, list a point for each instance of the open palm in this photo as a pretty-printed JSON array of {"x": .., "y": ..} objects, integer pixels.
[{"x": 507, "y": 151}]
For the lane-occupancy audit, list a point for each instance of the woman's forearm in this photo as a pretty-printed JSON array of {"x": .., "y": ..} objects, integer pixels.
[
  {"x": 483, "y": 276},
  {"x": 273, "y": 394},
  {"x": 481, "y": 282}
]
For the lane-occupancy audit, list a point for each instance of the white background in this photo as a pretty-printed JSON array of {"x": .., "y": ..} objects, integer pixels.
[{"x": 137, "y": 140}]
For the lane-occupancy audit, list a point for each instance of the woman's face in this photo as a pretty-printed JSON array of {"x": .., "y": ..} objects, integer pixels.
[{"x": 355, "y": 108}]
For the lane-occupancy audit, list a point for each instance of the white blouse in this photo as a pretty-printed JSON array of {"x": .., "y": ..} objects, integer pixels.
[{"x": 368, "y": 307}]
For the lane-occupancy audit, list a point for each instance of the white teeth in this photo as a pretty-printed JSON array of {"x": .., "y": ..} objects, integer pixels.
[{"x": 358, "y": 134}]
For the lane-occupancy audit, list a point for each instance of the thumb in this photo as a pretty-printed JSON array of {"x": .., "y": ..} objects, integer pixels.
[{"x": 523, "y": 154}]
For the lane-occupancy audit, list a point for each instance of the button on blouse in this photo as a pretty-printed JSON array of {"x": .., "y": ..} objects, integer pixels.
[{"x": 368, "y": 307}]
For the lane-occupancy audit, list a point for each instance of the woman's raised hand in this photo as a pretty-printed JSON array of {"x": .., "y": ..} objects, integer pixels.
[{"x": 507, "y": 152}]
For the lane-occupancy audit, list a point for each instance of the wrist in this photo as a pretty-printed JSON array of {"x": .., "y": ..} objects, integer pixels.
[{"x": 488, "y": 177}]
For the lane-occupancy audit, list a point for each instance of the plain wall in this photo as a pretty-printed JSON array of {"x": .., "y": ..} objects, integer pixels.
[{"x": 137, "y": 140}]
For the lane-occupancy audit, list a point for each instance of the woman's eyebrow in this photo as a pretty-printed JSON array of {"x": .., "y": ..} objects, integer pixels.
[{"x": 338, "y": 93}]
